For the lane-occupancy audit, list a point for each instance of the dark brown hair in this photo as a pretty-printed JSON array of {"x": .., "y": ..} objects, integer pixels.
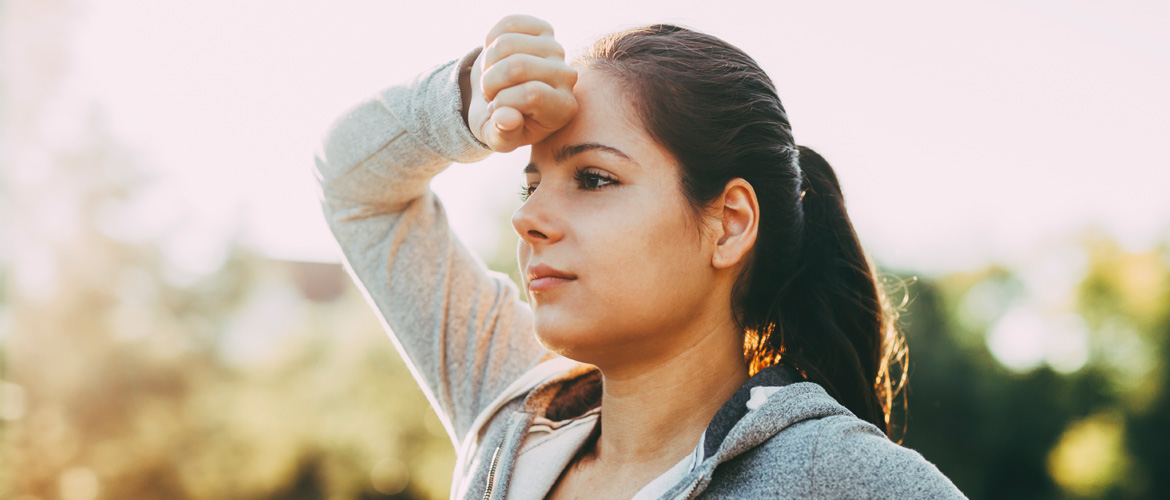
[{"x": 808, "y": 295}]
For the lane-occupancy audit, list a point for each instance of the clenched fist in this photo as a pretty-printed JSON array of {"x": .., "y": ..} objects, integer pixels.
[{"x": 521, "y": 89}]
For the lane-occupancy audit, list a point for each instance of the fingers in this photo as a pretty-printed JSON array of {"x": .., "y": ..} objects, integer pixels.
[
  {"x": 507, "y": 119},
  {"x": 523, "y": 89},
  {"x": 519, "y": 23},
  {"x": 504, "y": 130},
  {"x": 546, "y": 107},
  {"x": 519, "y": 68},
  {"x": 519, "y": 43}
]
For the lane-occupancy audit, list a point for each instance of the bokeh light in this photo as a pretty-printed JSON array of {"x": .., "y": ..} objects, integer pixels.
[{"x": 175, "y": 322}]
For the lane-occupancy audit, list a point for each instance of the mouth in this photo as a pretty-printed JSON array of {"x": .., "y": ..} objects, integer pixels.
[
  {"x": 542, "y": 277},
  {"x": 545, "y": 283}
]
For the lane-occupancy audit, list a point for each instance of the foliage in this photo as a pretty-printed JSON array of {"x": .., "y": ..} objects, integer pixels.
[
  {"x": 126, "y": 373},
  {"x": 1094, "y": 432}
]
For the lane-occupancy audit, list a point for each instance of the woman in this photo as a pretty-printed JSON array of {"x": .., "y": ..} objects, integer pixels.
[{"x": 703, "y": 322}]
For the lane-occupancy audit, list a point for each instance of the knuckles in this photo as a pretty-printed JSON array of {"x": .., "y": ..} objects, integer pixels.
[
  {"x": 519, "y": 23},
  {"x": 517, "y": 70},
  {"x": 503, "y": 46},
  {"x": 533, "y": 94},
  {"x": 513, "y": 22},
  {"x": 557, "y": 50},
  {"x": 506, "y": 73},
  {"x": 568, "y": 76},
  {"x": 509, "y": 44},
  {"x": 523, "y": 67}
]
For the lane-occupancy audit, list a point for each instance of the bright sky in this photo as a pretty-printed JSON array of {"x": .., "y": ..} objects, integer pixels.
[{"x": 961, "y": 134}]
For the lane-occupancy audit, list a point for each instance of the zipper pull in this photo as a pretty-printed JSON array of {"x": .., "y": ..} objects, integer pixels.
[{"x": 487, "y": 493}]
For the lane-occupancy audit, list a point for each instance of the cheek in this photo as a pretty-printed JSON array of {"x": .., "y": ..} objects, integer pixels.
[
  {"x": 645, "y": 262},
  {"x": 642, "y": 272}
]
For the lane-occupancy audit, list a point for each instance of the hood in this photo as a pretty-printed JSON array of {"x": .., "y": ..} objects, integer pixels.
[
  {"x": 753, "y": 395},
  {"x": 773, "y": 399}
]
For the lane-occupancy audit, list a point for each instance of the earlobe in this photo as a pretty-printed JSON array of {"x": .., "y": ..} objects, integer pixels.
[{"x": 739, "y": 223}]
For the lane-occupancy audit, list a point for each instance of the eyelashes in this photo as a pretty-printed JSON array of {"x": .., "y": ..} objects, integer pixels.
[{"x": 586, "y": 179}]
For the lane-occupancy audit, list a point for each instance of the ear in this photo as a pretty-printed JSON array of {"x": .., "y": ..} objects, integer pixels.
[{"x": 739, "y": 223}]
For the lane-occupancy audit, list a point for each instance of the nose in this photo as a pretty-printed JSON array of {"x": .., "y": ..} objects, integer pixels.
[{"x": 537, "y": 221}]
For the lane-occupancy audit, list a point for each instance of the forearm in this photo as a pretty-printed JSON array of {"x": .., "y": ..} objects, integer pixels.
[
  {"x": 461, "y": 328},
  {"x": 382, "y": 152}
]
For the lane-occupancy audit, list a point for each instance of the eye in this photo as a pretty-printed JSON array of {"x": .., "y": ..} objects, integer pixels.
[
  {"x": 526, "y": 191},
  {"x": 586, "y": 179},
  {"x": 593, "y": 180}
]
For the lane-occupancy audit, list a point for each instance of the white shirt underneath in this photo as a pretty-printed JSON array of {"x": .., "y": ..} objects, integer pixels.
[{"x": 550, "y": 446}]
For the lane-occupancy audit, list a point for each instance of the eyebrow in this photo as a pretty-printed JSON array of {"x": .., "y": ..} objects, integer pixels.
[{"x": 570, "y": 151}]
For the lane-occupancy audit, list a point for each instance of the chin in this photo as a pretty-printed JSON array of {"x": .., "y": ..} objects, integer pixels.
[
  {"x": 585, "y": 342},
  {"x": 567, "y": 338},
  {"x": 557, "y": 336}
]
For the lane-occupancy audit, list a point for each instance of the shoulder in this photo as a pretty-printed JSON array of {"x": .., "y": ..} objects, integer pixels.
[
  {"x": 780, "y": 467},
  {"x": 838, "y": 456},
  {"x": 852, "y": 458}
]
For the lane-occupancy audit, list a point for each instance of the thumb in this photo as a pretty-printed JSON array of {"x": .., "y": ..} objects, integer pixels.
[
  {"x": 504, "y": 128},
  {"x": 507, "y": 119}
]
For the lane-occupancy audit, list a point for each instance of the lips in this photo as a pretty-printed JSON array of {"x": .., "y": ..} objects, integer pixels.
[
  {"x": 542, "y": 277},
  {"x": 544, "y": 270}
]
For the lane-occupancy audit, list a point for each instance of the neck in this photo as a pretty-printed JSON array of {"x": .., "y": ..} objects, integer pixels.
[{"x": 654, "y": 413}]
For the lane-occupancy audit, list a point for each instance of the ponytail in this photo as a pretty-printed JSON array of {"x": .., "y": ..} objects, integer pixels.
[
  {"x": 829, "y": 318},
  {"x": 807, "y": 294}
]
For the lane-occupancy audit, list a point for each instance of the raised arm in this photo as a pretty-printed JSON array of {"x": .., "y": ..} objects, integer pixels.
[{"x": 462, "y": 329}]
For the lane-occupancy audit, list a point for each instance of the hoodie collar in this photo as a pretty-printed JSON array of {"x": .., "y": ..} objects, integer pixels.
[
  {"x": 772, "y": 400},
  {"x": 750, "y": 396},
  {"x": 579, "y": 391}
]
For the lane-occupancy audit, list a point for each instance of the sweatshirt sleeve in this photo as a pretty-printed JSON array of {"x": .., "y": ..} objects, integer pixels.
[
  {"x": 853, "y": 459},
  {"x": 461, "y": 328}
]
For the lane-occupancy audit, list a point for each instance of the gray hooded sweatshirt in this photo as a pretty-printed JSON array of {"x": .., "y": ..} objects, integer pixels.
[{"x": 516, "y": 412}]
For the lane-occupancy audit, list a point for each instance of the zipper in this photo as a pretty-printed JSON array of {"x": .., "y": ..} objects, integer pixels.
[
  {"x": 492, "y": 474},
  {"x": 692, "y": 490}
]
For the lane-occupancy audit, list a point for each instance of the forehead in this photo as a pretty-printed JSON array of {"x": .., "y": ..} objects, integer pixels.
[{"x": 604, "y": 116}]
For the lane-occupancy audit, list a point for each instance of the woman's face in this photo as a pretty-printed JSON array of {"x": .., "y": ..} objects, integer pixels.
[{"x": 606, "y": 206}]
